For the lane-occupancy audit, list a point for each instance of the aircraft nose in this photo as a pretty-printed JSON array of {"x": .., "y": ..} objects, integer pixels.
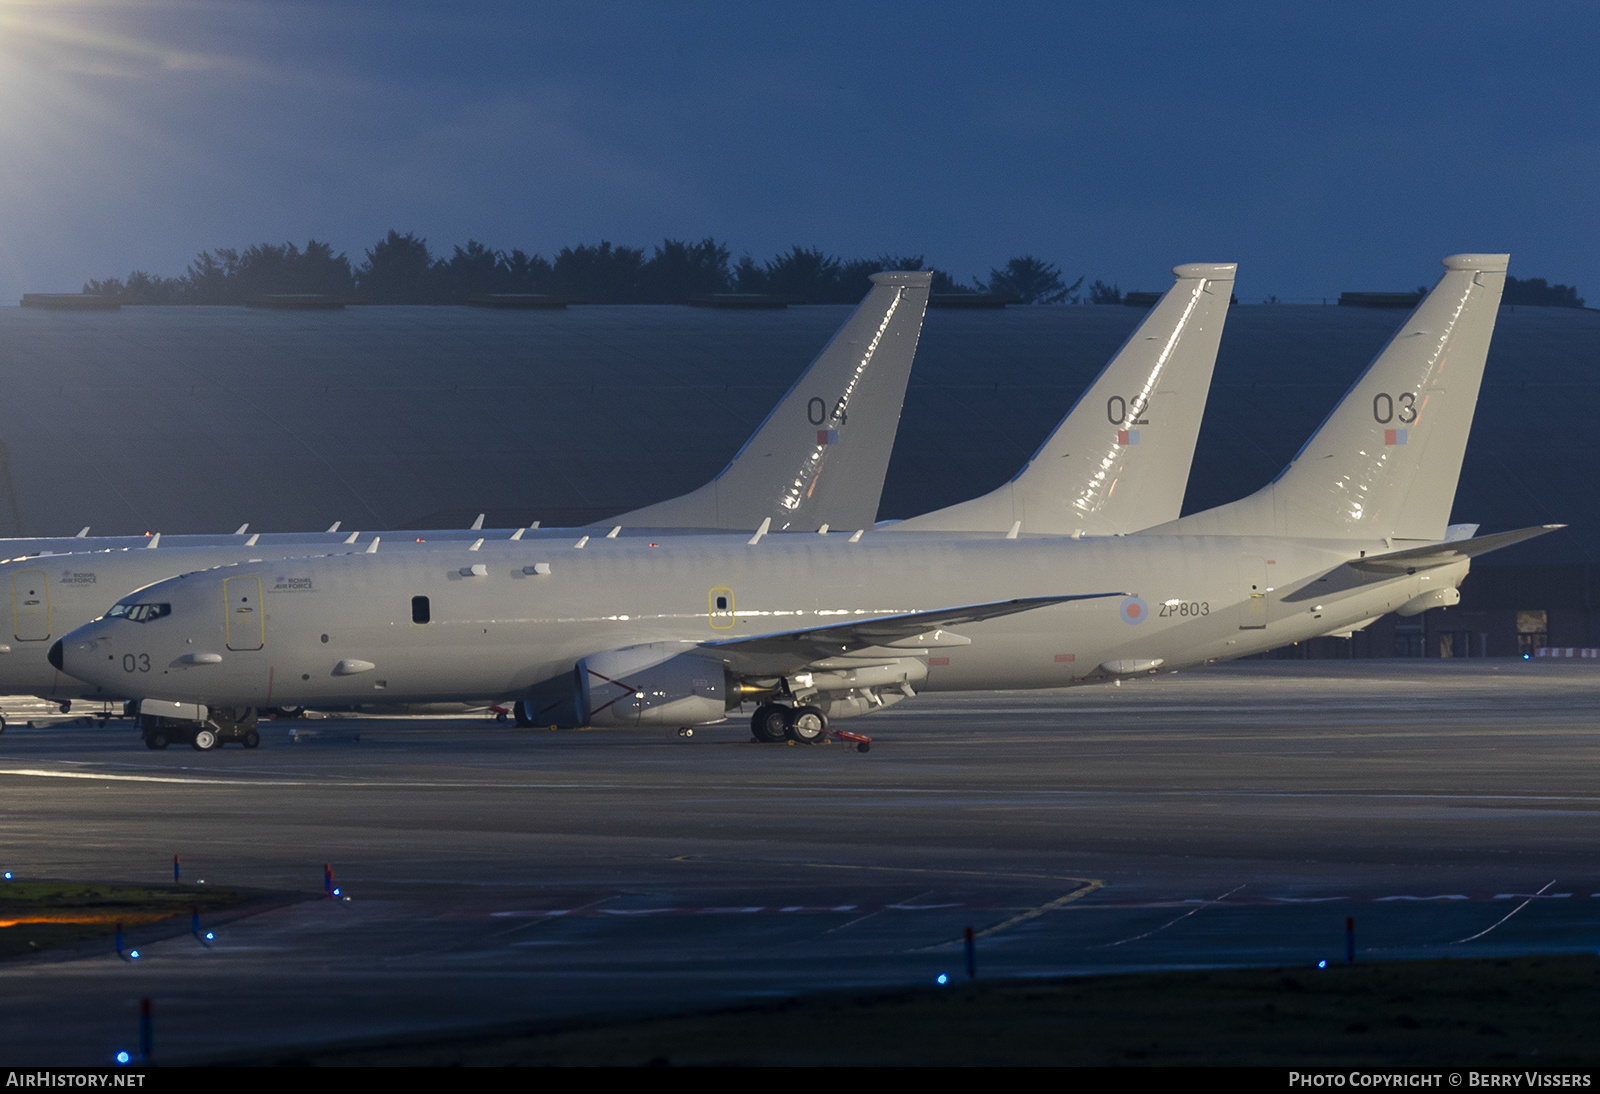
[{"x": 54, "y": 656}]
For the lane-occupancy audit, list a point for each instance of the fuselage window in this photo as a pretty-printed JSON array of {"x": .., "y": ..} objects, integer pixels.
[{"x": 420, "y": 612}]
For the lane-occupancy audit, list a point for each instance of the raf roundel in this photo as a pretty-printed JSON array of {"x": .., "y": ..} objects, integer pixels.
[{"x": 1134, "y": 610}]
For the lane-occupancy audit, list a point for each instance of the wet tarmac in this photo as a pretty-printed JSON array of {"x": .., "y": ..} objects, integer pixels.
[{"x": 1232, "y": 816}]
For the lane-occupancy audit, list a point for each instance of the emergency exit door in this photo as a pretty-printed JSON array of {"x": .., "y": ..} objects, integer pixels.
[
  {"x": 247, "y": 620},
  {"x": 1253, "y": 611},
  {"x": 30, "y": 605}
]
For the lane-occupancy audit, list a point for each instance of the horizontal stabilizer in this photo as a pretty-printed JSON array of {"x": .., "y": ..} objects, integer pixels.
[
  {"x": 1442, "y": 554},
  {"x": 781, "y": 650}
]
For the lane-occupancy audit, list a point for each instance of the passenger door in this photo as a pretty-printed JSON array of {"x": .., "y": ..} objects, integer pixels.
[
  {"x": 30, "y": 605},
  {"x": 247, "y": 619}
]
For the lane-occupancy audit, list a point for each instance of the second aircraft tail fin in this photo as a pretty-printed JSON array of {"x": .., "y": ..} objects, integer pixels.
[
  {"x": 1119, "y": 461},
  {"x": 1386, "y": 462}
]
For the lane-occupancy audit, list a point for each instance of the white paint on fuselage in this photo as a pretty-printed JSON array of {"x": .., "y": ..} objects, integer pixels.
[{"x": 497, "y": 635}]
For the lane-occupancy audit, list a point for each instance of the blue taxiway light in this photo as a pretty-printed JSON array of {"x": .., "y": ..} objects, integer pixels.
[
  {"x": 1322, "y": 964},
  {"x": 941, "y": 979},
  {"x": 123, "y": 1057}
]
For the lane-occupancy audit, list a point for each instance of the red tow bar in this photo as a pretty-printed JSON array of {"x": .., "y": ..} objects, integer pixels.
[{"x": 860, "y": 742}]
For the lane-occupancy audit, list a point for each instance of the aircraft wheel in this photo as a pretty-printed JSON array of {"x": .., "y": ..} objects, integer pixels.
[
  {"x": 770, "y": 724},
  {"x": 519, "y": 711},
  {"x": 2, "y": 723},
  {"x": 156, "y": 741},
  {"x": 807, "y": 725},
  {"x": 205, "y": 740},
  {"x": 251, "y": 738}
]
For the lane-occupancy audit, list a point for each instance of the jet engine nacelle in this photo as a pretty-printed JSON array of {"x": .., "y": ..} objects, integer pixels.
[{"x": 656, "y": 684}]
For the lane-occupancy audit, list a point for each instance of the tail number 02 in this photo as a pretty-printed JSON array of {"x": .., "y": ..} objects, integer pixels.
[
  {"x": 1385, "y": 411},
  {"x": 1117, "y": 412}
]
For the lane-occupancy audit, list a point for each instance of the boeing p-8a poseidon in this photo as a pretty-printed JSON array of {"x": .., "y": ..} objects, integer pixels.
[{"x": 820, "y": 456}]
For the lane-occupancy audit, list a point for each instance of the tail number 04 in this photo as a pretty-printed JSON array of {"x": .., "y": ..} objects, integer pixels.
[
  {"x": 1385, "y": 410},
  {"x": 1117, "y": 411},
  {"x": 817, "y": 411}
]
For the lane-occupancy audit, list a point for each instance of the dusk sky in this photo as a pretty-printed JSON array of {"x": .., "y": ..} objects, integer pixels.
[{"x": 1323, "y": 147}]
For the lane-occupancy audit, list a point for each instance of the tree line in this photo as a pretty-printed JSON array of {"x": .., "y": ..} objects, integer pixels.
[{"x": 400, "y": 269}]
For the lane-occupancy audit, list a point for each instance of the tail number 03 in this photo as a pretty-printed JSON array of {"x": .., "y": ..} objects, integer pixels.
[
  {"x": 139, "y": 663},
  {"x": 1385, "y": 410}
]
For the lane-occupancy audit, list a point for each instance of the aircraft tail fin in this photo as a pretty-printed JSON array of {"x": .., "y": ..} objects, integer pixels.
[
  {"x": 1119, "y": 461},
  {"x": 1385, "y": 463},
  {"x": 821, "y": 456}
]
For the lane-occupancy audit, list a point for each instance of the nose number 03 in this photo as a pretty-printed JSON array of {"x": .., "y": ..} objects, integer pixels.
[{"x": 136, "y": 663}]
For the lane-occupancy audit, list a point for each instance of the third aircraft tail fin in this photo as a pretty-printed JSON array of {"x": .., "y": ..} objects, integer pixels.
[{"x": 1386, "y": 462}]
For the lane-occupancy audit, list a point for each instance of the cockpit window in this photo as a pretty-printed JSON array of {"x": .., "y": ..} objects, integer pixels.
[{"x": 139, "y": 613}]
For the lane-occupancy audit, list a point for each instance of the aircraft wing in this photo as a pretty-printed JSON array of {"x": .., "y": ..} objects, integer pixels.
[
  {"x": 1442, "y": 554},
  {"x": 780, "y": 651}
]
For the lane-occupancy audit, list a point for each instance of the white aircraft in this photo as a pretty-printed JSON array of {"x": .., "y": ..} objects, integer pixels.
[
  {"x": 853, "y": 390},
  {"x": 679, "y": 631}
]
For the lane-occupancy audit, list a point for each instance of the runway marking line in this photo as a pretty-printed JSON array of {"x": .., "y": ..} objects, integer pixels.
[
  {"x": 589, "y": 911},
  {"x": 42, "y": 774},
  {"x": 1503, "y": 918},
  {"x": 1037, "y": 792},
  {"x": 890, "y": 869},
  {"x": 1089, "y": 886},
  {"x": 1181, "y": 918}
]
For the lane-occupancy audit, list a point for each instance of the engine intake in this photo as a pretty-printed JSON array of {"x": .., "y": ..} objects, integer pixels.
[{"x": 656, "y": 684}]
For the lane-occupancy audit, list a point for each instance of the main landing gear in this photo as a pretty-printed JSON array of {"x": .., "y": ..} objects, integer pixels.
[
  {"x": 226, "y": 724},
  {"x": 774, "y": 722}
]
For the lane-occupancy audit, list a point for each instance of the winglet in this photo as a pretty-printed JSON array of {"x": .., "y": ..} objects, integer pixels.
[
  {"x": 154, "y": 541},
  {"x": 239, "y": 531},
  {"x": 334, "y": 527},
  {"x": 372, "y": 548},
  {"x": 477, "y": 525}
]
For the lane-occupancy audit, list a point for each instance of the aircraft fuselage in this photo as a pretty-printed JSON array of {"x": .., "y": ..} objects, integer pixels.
[{"x": 344, "y": 629}]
